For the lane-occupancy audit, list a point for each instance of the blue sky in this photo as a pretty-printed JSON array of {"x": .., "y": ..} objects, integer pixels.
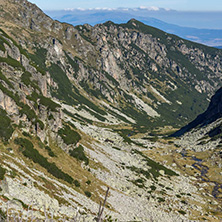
[{"x": 184, "y": 5}]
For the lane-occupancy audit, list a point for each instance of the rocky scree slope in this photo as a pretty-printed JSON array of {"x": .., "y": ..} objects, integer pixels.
[
  {"x": 73, "y": 100},
  {"x": 199, "y": 148}
]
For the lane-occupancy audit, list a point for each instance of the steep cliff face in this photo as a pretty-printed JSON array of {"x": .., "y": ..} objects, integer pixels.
[
  {"x": 77, "y": 107},
  {"x": 130, "y": 65}
]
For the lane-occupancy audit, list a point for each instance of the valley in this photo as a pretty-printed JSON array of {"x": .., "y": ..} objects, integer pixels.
[{"x": 89, "y": 107}]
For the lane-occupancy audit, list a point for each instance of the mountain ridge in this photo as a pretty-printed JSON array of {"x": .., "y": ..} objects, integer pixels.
[
  {"x": 202, "y": 35},
  {"x": 84, "y": 108}
]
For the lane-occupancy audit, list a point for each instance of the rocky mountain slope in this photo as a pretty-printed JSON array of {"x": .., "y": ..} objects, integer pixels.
[
  {"x": 200, "y": 142},
  {"x": 206, "y": 32},
  {"x": 212, "y": 114},
  {"x": 79, "y": 109}
]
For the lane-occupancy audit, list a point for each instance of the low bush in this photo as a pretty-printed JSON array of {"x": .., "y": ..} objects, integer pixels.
[
  {"x": 50, "y": 152},
  {"x": 88, "y": 182},
  {"x": 12, "y": 62},
  {"x": 6, "y": 129},
  {"x": 69, "y": 136},
  {"x": 77, "y": 183},
  {"x": 79, "y": 154},
  {"x": 88, "y": 194},
  {"x": 33, "y": 154},
  {"x": 49, "y": 103},
  {"x": 28, "y": 112},
  {"x": 2, "y": 173},
  {"x": 182, "y": 212}
]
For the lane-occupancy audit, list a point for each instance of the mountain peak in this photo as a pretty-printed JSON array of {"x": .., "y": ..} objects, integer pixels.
[{"x": 79, "y": 107}]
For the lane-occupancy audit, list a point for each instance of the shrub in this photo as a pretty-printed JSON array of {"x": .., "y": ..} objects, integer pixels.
[
  {"x": 49, "y": 103},
  {"x": 2, "y": 173},
  {"x": 28, "y": 112},
  {"x": 6, "y": 129},
  {"x": 12, "y": 62},
  {"x": 26, "y": 134},
  {"x": 88, "y": 194},
  {"x": 41, "y": 124},
  {"x": 76, "y": 182},
  {"x": 88, "y": 182},
  {"x": 79, "y": 154},
  {"x": 50, "y": 152},
  {"x": 2, "y": 77},
  {"x": 182, "y": 212},
  {"x": 33, "y": 154},
  {"x": 69, "y": 136},
  {"x": 2, "y": 215},
  {"x": 155, "y": 166}
]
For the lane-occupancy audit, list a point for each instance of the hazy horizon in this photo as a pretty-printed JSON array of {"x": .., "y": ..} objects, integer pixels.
[{"x": 181, "y": 5}]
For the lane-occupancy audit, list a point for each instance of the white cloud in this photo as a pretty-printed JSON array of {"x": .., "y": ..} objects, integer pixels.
[
  {"x": 151, "y": 8},
  {"x": 105, "y": 9},
  {"x": 148, "y": 8}
]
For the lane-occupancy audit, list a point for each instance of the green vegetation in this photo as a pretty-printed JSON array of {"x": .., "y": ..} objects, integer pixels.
[
  {"x": 138, "y": 182},
  {"x": 67, "y": 92},
  {"x": 73, "y": 63},
  {"x": 110, "y": 78},
  {"x": 98, "y": 116},
  {"x": 64, "y": 91},
  {"x": 50, "y": 152},
  {"x": 6, "y": 129},
  {"x": 2, "y": 173},
  {"x": 88, "y": 182},
  {"x": 31, "y": 115},
  {"x": 92, "y": 90},
  {"x": 2, "y": 41},
  {"x": 30, "y": 152},
  {"x": 116, "y": 148},
  {"x": 12, "y": 62},
  {"x": 152, "y": 187},
  {"x": 28, "y": 112},
  {"x": 28, "y": 82},
  {"x": 160, "y": 199},
  {"x": 88, "y": 194},
  {"x": 69, "y": 136},
  {"x": 49, "y": 103},
  {"x": 155, "y": 168},
  {"x": 79, "y": 154},
  {"x": 85, "y": 33},
  {"x": 13, "y": 174},
  {"x": 26, "y": 134},
  {"x": 25, "y": 206},
  {"x": 2, "y": 77},
  {"x": 2, "y": 215},
  {"x": 182, "y": 212},
  {"x": 76, "y": 183},
  {"x": 78, "y": 117},
  {"x": 22, "y": 51},
  {"x": 39, "y": 58},
  {"x": 140, "y": 171}
]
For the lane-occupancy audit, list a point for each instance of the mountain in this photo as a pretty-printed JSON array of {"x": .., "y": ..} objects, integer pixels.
[
  {"x": 159, "y": 18},
  {"x": 85, "y": 108},
  {"x": 212, "y": 114}
]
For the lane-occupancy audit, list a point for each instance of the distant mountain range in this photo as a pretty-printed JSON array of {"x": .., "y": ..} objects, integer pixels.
[{"x": 170, "y": 21}]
